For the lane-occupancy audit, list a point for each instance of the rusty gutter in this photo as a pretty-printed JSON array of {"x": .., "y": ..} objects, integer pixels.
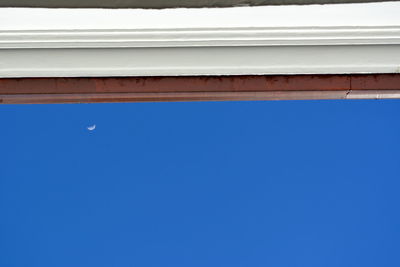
[{"x": 198, "y": 88}]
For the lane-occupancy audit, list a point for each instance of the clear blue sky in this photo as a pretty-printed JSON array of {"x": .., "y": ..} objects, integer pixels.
[{"x": 290, "y": 183}]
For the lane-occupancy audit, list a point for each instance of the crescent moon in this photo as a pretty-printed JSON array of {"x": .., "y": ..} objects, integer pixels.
[{"x": 91, "y": 128}]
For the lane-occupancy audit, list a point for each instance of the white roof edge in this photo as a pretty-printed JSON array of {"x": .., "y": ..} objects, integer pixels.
[
  {"x": 201, "y": 37},
  {"x": 179, "y": 61},
  {"x": 198, "y": 47},
  {"x": 366, "y": 14}
]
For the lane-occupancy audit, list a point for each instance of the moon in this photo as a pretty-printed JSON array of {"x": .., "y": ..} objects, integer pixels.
[{"x": 91, "y": 128}]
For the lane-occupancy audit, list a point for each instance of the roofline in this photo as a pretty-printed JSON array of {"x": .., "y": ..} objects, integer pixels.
[
  {"x": 201, "y": 37},
  {"x": 199, "y": 60},
  {"x": 195, "y": 88},
  {"x": 98, "y": 43}
]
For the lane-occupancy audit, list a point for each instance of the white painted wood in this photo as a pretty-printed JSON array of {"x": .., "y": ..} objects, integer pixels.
[
  {"x": 367, "y": 14},
  {"x": 199, "y": 61},
  {"x": 271, "y": 36},
  {"x": 73, "y": 43}
]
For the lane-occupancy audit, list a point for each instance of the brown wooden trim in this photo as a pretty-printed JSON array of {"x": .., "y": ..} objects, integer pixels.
[{"x": 202, "y": 88}]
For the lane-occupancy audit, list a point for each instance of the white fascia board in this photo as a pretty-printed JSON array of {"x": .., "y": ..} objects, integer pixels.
[
  {"x": 329, "y": 39},
  {"x": 293, "y": 36}
]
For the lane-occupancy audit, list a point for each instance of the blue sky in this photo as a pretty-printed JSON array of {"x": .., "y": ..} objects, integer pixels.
[{"x": 279, "y": 183}]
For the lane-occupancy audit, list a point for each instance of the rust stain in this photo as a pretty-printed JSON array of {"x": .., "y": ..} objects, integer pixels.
[
  {"x": 201, "y": 88},
  {"x": 376, "y": 82}
]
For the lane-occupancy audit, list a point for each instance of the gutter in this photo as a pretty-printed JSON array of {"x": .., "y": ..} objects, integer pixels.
[
  {"x": 45, "y": 61},
  {"x": 198, "y": 88}
]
